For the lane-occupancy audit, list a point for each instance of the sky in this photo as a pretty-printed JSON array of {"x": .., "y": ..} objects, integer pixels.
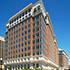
[{"x": 59, "y": 12}]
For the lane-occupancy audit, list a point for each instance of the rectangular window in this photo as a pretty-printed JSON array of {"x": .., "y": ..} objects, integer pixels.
[
  {"x": 25, "y": 37},
  {"x": 28, "y": 42},
  {"x": 37, "y": 40},
  {"x": 29, "y": 30},
  {"x": 28, "y": 36},
  {"x": 25, "y": 32},
  {"x": 23, "y": 14},
  {"x": 28, "y": 53},
  {"x": 25, "y": 43},
  {"x": 28, "y": 47},
  {"x": 35, "y": 10},
  {"x": 38, "y": 8}
]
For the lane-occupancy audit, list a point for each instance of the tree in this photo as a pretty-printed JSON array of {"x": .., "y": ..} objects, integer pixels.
[{"x": 9, "y": 67}]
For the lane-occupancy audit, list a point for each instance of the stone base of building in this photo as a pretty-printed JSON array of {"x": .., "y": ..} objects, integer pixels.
[
  {"x": 63, "y": 68},
  {"x": 33, "y": 62},
  {"x": 31, "y": 65}
]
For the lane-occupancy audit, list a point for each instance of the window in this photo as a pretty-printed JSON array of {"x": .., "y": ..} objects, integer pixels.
[
  {"x": 38, "y": 7},
  {"x": 33, "y": 36},
  {"x": 19, "y": 45},
  {"x": 29, "y": 14},
  {"x": 25, "y": 48},
  {"x": 33, "y": 47},
  {"x": 37, "y": 23},
  {"x": 22, "y": 44},
  {"x": 16, "y": 41},
  {"x": 33, "y": 29},
  {"x": 26, "y": 12},
  {"x": 23, "y": 14},
  {"x": 19, "y": 55},
  {"x": 25, "y": 37},
  {"x": 21, "y": 66},
  {"x": 1, "y": 62},
  {"x": 33, "y": 24},
  {"x": 22, "y": 50},
  {"x": 33, "y": 65},
  {"x": 28, "y": 47},
  {"x": 37, "y": 34},
  {"x": 16, "y": 36},
  {"x": 35, "y": 10},
  {"x": 22, "y": 34},
  {"x": 29, "y": 20},
  {"x": 36, "y": 18},
  {"x": 22, "y": 23},
  {"x": 22, "y": 39},
  {"x": 25, "y": 32},
  {"x": 25, "y": 54},
  {"x": 25, "y": 43},
  {"x": 28, "y": 42},
  {"x": 22, "y": 55},
  {"x": 15, "y": 19},
  {"x": 28, "y": 66},
  {"x": 24, "y": 58},
  {"x": 29, "y": 10},
  {"x": 37, "y": 40},
  {"x": 33, "y": 41},
  {"x": 28, "y": 36},
  {"x": 29, "y": 31},
  {"x": 37, "y": 47},
  {"x": 33, "y": 53},
  {"x": 37, "y": 52},
  {"x": 37, "y": 29},
  {"x": 24, "y": 65},
  {"x": 29, "y": 54},
  {"x": 37, "y": 65},
  {"x": 28, "y": 25}
]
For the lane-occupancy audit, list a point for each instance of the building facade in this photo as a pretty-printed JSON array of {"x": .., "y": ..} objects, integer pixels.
[
  {"x": 30, "y": 40},
  {"x": 69, "y": 66},
  {"x": 2, "y": 44},
  {"x": 63, "y": 60}
]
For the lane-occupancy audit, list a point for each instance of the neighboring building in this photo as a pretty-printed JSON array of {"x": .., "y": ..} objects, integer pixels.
[
  {"x": 30, "y": 40},
  {"x": 63, "y": 60},
  {"x": 69, "y": 67},
  {"x": 2, "y": 43}
]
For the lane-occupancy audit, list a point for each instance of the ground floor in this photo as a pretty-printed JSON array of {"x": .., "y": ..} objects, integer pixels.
[
  {"x": 30, "y": 63},
  {"x": 63, "y": 68},
  {"x": 34, "y": 65}
]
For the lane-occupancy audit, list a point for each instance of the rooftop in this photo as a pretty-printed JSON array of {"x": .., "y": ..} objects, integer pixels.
[{"x": 61, "y": 51}]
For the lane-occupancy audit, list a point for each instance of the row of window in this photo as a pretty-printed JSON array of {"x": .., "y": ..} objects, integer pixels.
[
  {"x": 25, "y": 66},
  {"x": 37, "y": 9},
  {"x": 17, "y": 40},
  {"x": 27, "y": 22},
  {"x": 23, "y": 54},
  {"x": 35, "y": 47},
  {"x": 24, "y": 13}
]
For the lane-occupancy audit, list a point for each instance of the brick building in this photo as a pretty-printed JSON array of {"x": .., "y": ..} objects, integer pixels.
[
  {"x": 63, "y": 60},
  {"x": 30, "y": 40},
  {"x": 2, "y": 44}
]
